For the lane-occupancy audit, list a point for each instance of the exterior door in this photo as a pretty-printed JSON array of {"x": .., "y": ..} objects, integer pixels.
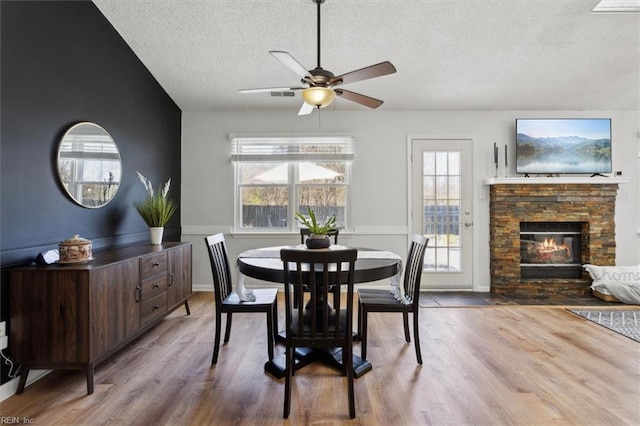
[{"x": 441, "y": 204}]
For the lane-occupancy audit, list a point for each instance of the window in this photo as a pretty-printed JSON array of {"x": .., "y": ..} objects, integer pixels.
[
  {"x": 442, "y": 198},
  {"x": 277, "y": 176}
]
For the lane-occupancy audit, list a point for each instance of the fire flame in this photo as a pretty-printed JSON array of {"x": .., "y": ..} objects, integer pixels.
[{"x": 549, "y": 246}]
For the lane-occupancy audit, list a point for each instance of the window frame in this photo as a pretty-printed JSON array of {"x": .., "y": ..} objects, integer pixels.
[{"x": 254, "y": 153}]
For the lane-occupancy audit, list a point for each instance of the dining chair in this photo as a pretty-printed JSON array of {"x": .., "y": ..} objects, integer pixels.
[
  {"x": 379, "y": 300},
  {"x": 315, "y": 324},
  {"x": 304, "y": 234},
  {"x": 227, "y": 301}
]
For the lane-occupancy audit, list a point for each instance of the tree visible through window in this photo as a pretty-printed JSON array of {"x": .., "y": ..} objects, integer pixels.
[{"x": 275, "y": 177}]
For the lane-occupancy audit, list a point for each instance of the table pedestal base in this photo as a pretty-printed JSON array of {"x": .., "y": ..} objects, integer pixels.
[{"x": 305, "y": 356}]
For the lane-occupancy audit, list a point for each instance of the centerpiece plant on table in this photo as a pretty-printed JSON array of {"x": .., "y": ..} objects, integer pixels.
[
  {"x": 319, "y": 237},
  {"x": 156, "y": 208}
]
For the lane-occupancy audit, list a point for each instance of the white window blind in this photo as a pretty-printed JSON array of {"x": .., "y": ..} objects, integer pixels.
[{"x": 292, "y": 148}]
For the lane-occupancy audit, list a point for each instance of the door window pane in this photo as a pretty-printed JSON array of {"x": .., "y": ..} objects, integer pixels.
[
  {"x": 441, "y": 215},
  {"x": 429, "y": 163}
]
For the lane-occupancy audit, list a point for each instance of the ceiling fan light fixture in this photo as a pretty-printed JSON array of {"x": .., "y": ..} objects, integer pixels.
[{"x": 319, "y": 97}]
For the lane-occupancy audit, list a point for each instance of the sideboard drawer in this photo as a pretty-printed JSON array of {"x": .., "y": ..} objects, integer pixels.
[
  {"x": 154, "y": 285},
  {"x": 152, "y": 265},
  {"x": 153, "y": 307}
]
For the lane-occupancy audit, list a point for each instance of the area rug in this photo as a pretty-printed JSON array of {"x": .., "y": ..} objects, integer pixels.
[{"x": 625, "y": 322}]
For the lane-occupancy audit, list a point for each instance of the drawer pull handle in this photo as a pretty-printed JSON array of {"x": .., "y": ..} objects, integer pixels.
[
  {"x": 156, "y": 286},
  {"x": 156, "y": 264},
  {"x": 156, "y": 307}
]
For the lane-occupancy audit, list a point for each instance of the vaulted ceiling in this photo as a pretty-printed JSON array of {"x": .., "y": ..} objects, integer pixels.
[{"x": 449, "y": 54}]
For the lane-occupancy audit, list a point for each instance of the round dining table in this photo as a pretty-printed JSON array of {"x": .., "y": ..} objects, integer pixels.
[{"x": 265, "y": 264}]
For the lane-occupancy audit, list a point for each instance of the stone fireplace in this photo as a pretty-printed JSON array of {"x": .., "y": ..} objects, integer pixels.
[{"x": 542, "y": 232}]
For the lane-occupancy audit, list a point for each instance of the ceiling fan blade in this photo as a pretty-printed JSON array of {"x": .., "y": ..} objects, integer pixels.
[
  {"x": 358, "y": 98},
  {"x": 306, "y": 109},
  {"x": 373, "y": 71},
  {"x": 291, "y": 63},
  {"x": 270, "y": 89}
]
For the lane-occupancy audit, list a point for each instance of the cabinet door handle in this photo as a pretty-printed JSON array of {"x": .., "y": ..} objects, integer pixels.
[
  {"x": 170, "y": 279},
  {"x": 138, "y": 293}
]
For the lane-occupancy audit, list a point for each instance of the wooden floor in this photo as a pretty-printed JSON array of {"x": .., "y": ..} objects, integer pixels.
[{"x": 501, "y": 365}]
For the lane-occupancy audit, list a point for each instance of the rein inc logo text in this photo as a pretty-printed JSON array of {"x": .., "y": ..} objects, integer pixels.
[{"x": 10, "y": 420}]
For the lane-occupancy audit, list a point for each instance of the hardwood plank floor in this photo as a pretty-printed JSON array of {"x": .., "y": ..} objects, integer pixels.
[{"x": 506, "y": 365}]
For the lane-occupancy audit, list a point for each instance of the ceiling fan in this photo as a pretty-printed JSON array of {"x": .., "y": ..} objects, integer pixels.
[{"x": 320, "y": 87}]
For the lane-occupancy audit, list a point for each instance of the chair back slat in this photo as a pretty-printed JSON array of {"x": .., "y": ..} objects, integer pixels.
[
  {"x": 413, "y": 270},
  {"x": 319, "y": 271},
  {"x": 222, "y": 283},
  {"x": 300, "y": 312}
]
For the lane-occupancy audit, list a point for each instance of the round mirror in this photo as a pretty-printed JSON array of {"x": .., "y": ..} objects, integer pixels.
[{"x": 89, "y": 165}]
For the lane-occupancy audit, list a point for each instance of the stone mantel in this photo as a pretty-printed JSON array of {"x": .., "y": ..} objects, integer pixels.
[{"x": 555, "y": 180}]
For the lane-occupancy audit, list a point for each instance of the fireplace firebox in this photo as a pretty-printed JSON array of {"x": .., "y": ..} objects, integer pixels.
[{"x": 550, "y": 249}]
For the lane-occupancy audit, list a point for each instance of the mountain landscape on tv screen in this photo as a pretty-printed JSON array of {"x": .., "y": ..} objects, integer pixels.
[
  {"x": 562, "y": 154},
  {"x": 564, "y": 143}
]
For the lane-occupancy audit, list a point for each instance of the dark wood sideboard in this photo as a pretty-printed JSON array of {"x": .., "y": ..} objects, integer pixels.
[{"x": 75, "y": 316}]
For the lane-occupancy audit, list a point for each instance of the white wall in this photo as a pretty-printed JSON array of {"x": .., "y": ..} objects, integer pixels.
[{"x": 379, "y": 174}]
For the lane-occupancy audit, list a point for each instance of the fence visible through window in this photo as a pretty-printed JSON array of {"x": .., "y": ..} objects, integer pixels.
[{"x": 255, "y": 216}]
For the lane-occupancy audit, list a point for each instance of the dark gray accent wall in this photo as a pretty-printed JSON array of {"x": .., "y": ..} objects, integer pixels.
[{"x": 61, "y": 63}]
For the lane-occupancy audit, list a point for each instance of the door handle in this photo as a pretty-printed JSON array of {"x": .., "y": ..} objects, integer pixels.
[{"x": 468, "y": 224}]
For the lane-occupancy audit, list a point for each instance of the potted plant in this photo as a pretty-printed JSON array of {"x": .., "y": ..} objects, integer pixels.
[
  {"x": 156, "y": 209},
  {"x": 319, "y": 237}
]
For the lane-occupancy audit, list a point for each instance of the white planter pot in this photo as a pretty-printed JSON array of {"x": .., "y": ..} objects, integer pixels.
[{"x": 156, "y": 234}]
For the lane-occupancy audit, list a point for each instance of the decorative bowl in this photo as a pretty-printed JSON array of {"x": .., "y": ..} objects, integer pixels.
[{"x": 75, "y": 250}]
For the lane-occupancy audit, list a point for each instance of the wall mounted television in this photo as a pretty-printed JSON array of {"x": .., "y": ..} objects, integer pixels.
[{"x": 563, "y": 145}]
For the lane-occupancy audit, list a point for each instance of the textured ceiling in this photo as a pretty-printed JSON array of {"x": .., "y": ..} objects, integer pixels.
[{"x": 450, "y": 54}]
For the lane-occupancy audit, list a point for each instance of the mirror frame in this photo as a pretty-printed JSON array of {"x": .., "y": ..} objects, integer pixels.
[{"x": 73, "y": 157}]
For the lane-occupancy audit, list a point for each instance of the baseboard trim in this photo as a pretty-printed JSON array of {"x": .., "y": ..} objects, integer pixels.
[{"x": 9, "y": 389}]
